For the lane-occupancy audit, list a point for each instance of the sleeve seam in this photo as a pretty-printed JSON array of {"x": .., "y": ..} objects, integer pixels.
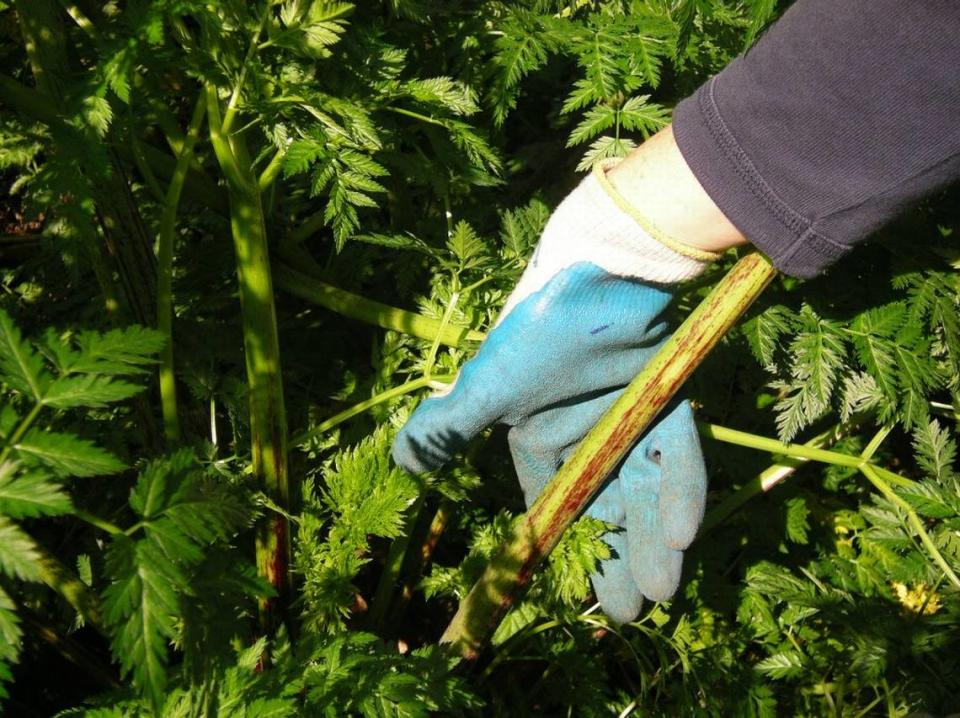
[
  {"x": 742, "y": 163},
  {"x": 800, "y": 227}
]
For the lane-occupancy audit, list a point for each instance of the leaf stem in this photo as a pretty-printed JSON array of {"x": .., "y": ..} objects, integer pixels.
[
  {"x": 70, "y": 648},
  {"x": 100, "y": 523},
  {"x": 69, "y": 586},
  {"x": 874, "y": 478},
  {"x": 393, "y": 564},
  {"x": 304, "y": 436},
  {"x": 753, "y": 441},
  {"x": 272, "y": 170},
  {"x": 444, "y": 322},
  {"x": 370, "y": 311},
  {"x": 231, "y": 112},
  {"x": 437, "y": 526},
  {"x": 168, "y": 224},
  {"x": 83, "y": 22},
  {"x": 764, "y": 443},
  {"x": 21, "y": 429},
  {"x": 765, "y": 481},
  {"x": 417, "y": 116}
]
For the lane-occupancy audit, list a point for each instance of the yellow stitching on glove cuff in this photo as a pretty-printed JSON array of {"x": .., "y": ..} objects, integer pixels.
[{"x": 600, "y": 172}]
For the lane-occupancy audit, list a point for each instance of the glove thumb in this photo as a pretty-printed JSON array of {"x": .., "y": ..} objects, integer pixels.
[{"x": 442, "y": 425}]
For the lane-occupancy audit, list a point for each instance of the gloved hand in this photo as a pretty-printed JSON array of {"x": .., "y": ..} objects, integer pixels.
[{"x": 586, "y": 316}]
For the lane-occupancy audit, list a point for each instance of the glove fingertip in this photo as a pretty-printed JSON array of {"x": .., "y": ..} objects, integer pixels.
[
  {"x": 613, "y": 583},
  {"x": 657, "y": 573},
  {"x": 680, "y": 528},
  {"x": 436, "y": 431},
  {"x": 416, "y": 457}
]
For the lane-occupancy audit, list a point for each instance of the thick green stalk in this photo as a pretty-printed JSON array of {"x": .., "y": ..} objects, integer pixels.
[
  {"x": 358, "y": 307},
  {"x": 539, "y": 530},
  {"x": 268, "y": 423},
  {"x": 168, "y": 226}
]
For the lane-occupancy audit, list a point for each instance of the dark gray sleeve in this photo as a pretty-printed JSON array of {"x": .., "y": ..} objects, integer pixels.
[{"x": 840, "y": 116}]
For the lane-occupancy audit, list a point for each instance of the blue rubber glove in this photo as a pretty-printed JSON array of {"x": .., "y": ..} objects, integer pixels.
[{"x": 571, "y": 336}]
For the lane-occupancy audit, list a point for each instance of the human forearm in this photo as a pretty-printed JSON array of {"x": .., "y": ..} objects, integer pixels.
[
  {"x": 656, "y": 180},
  {"x": 841, "y": 115}
]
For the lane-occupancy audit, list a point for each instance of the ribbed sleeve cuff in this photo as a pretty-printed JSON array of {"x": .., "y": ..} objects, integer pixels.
[{"x": 725, "y": 170}]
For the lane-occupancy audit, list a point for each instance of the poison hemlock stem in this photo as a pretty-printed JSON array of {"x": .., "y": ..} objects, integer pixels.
[
  {"x": 268, "y": 424},
  {"x": 568, "y": 493}
]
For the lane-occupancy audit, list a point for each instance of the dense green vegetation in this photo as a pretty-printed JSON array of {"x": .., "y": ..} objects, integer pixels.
[{"x": 240, "y": 241}]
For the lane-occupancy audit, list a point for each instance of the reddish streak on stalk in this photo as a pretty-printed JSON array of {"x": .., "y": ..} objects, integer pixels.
[{"x": 537, "y": 533}]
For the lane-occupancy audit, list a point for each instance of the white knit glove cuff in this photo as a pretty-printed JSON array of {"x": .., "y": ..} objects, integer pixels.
[{"x": 595, "y": 224}]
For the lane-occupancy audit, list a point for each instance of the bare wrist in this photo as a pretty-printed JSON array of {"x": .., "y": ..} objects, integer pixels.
[{"x": 656, "y": 180}]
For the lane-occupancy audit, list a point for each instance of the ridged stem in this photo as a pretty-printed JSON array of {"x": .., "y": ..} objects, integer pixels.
[
  {"x": 268, "y": 423},
  {"x": 564, "y": 498}
]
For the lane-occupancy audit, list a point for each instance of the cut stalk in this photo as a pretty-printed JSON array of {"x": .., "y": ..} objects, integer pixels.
[
  {"x": 422, "y": 561},
  {"x": 168, "y": 226},
  {"x": 268, "y": 423},
  {"x": 539, "y": 530},
  {"x": 391, "y": 568}
]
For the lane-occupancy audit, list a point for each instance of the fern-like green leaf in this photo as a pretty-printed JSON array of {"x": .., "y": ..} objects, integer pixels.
[
  {"x": 118, "y": 351},
  {"x": 782, "y": 665},
  {"x": 521, "y": 228},
  {"x": 576, "y": 557},
  {"x": 458, "y": 98},
  {"x": 10, "y": 635},
  {"x": 140, "y": 608},
  {"x": 604, "y": 148},
  {"x": 638, "y": 114},
  {"x": 763, "y": 333},
  {"x": 66, "y": 454},
  {"x": 860, "y": 394},
  {"x": 523, "y": 47},
  {"x": 873, "y": 333},
  {"x": 89, "y": 390},
  {"x": 19, "y": 555},
  {"x": 596, "y": 120},
  {"x": 21, "y": 366},
  {"x": 466, "y": 246},
  {"x": 936, "y": 451},
  {"x": 31, "y": 495},
  {"x": 818, "y": 358},
  {"x": 797, "y": 520}
]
